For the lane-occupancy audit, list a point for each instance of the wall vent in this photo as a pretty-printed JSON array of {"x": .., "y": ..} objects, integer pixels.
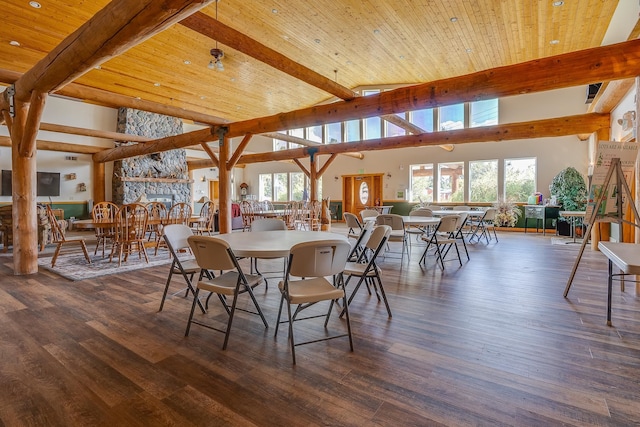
[{"x": 72, "y": 158}]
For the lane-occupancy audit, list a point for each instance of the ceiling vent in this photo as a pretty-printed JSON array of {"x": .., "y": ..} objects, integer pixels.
[{"x": 592, "y": 91}]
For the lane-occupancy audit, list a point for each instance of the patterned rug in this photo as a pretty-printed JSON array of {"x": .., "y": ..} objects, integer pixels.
[{"x": 74, "y": 266}]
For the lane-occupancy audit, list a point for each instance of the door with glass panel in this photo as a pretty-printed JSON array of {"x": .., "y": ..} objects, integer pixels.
[{"x": 360, "y": 192}]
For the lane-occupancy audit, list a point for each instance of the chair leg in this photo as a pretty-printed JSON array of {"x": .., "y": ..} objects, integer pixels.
[
  {"x": 193, "y": 308},
  {"x": 384, "y": 295},
  {"x": 55, "y": 255},
  {"x": 279, "y": 314},
  {"x": 291, "y": 338},
  {"x": 86, "y": 253},
  {"x": 233, "y": 311}
]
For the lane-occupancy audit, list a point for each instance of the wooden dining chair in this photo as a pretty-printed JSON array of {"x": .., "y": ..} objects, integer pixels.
[
  {"x": 157, "y": 214},
  {"x": 131, "y": 230},
  {"x": 58, "y": 237},
  {"x": 205, "y": 222},
  {"x": 314, "y": 261},
  {"x": 104, "y": 212}
]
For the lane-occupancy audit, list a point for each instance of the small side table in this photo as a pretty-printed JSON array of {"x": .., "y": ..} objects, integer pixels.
[{"x": 573, "y": 215}]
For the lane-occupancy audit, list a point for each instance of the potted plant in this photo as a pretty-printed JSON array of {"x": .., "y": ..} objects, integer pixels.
[
  {"x": 571, "y": 193},
  {"x": 507, "y": 213}
]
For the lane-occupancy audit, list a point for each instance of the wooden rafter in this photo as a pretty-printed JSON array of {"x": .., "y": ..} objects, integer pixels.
[
  {"x": 305, "y": 142},
  {"x": 211, "y": 154},
  {"x": 410, "y": 127},
  {"x": 562, "y": 126},
  {"x": 239, "y": 150},
  {"x": 64, "y": 147},
  {"x": 226, "y": 35}
]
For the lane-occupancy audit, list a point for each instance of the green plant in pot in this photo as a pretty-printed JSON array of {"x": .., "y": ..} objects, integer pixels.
[{"x": 570, "y": 190}]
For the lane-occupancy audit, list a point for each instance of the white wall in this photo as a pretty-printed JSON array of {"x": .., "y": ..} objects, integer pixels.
[
  {"x": 553, "y": 154},
  {"x": 77, "y": 114}
]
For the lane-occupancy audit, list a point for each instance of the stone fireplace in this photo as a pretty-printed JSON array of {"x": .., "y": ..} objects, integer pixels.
[{"x": 159, "y": 175}]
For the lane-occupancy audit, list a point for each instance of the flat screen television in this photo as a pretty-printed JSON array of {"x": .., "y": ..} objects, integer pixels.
[{"x": 47, "y": 183}]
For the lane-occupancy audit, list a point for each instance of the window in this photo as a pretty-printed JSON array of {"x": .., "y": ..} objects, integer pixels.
[
  {"x": 452, "y": 117},
  {"x": 333, "y": 132},
  {"x": 279, "y": 144},
  {"x": 352, "y": 130},
  {"x": 373, "y": 125},
  {"x": 266, "y": 186},
  {"x": 392, "y": 130},
  {"x": 297, "y": 185},
  {"x": 483, "y": 181},
  {"x": 280, "y": 187},
  {"x": 423, "y": 119},
  {"x": 314, "y": 133},
  {"x": 519, "y": 179},
  {"x": 483, "y": 113},
  {"x": 451, "y": 182},
  {"x": 298, "y": 133},
  {"x": 422, "y": 183}
]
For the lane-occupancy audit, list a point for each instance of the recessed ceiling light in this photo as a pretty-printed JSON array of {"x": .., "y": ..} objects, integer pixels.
[
  {"x": 186, "y": 62},
  {"x": 285, "y": 37},
  {"x": 35, "y": 4},
  {"x": 401, "y": 57},
  {"x": 453, "y": 19},
  {"x": 376, "y": 31},
  {"x": 98, "y": 67},
  {"x": 317, "y": 40},
  {"x": 558, "y": 3},
  {"x": 203, "y": 97},
  {"x": 554, "y": 42},
  {"x": 274, "y": 11},
  {"x": 156, "y": 84},
  {"x": 468, "y": 50},
  {"x": 14, "y": 43},
  {"x": 233, "y": 79}
]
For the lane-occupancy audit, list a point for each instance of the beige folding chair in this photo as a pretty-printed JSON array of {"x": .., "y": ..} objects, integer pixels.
[
  {"x": 416, "y": 230},
  {"x": 266, "y": 224},
  {"x": 58, "y": 237},
  {"x": 365, "y": 266},
  {"x": 313, "y": 262},
  {"x": 175, "y": 236},
  {"x": 368, "y": 213},
  {"x": 354, "y": 225},
  {"x": 483, "y": 226},
  {"x": 444, "y": 237},
  {"x": 398, "y": 232},
  {"x": 212, "y": 254}
]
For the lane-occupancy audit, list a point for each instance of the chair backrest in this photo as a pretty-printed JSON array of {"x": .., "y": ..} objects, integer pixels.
[
  {"x": 268, "y": 224},
  {"x": 318, "y": 259},
  {"x": 363, "y": 238},
  {"x": 424, "y": 212},
  {"x": 368, "y": 213},
  {"x": 157, "y": 210},
  {"x": 104, "y": 211},
  {"x": 176, "y": 236},
  {"x": 212, "y": 253},
  {"x": 379, "y": 236},
  {"x": 393, "y": 220},
  {"x": 489, "y": 214},
  {"x": 131, "y": 222},
  {"x": 351, "y": 221},
  {"x": 180, "y": 213},
  {"x": 462, "y": 219},
  {"x": 57, "y": 235},
  {"x": 448, "y": 223}
]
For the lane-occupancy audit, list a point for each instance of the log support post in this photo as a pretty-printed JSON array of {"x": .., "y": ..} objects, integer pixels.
[{"x": 224, "y": 152}]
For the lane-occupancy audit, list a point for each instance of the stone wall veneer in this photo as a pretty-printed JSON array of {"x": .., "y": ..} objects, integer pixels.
[{"x": 168, "y": 164}]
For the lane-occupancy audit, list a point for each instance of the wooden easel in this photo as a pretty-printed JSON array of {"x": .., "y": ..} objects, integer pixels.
[{"x": 621, "y": 183}]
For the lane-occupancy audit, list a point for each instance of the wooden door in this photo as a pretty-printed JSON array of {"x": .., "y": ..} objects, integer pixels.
[
  {"x": 214, "y": 191},
  {"x": 360, "y": 191}
]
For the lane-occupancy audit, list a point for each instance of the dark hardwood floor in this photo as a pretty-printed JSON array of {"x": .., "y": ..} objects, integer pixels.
[{"x": 491, "y": 343}]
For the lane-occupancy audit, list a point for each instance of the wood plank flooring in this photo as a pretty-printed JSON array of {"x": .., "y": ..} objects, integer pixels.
[{"x": 490, "y": 343}]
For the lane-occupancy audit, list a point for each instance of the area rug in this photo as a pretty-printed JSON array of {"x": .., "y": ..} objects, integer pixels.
[{"x": 74, "y": 266}]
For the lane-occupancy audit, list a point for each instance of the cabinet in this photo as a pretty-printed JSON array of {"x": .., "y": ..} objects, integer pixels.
[{"x": 541, "y": 214}]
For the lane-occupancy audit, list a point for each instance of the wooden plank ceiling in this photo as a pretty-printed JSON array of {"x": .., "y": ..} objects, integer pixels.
[{"x": 354, "y": 42}]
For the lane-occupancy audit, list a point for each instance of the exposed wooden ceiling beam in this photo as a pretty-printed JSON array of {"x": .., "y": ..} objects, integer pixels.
[
  {"x": 305, "y": 142},
  {"x": 64, "y": 147},
  {"x": 109, "y": 99},
  {"x": 562, "y": 126},
  {"x": 113, "y": 30},
  {"x": 612, "y": 62},
  {"x": 163, "y": 144},
  {"x": 226, "y": 35},
  {"x": 410, "y": 127}
]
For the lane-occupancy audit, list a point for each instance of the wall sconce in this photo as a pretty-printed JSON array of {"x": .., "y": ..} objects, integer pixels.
[
  {"x": 627, "y": 120},
  {"x": 388, "y": 174},
  {"x": 335, "y": 178},
  {"x": 203, "y": 179},
  {"x": 70, "y": 176}
]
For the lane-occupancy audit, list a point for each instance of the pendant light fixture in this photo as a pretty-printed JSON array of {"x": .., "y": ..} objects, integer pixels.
[{"x": 217, "y": 54}]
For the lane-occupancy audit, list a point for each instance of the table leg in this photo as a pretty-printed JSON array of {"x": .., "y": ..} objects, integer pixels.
[{"x": 610, "y": 286}]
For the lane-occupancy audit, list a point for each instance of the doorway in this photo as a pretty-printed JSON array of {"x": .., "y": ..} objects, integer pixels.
[
  {"x": 361, "y": 191},
  {"x": 214, "y": 191}
]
